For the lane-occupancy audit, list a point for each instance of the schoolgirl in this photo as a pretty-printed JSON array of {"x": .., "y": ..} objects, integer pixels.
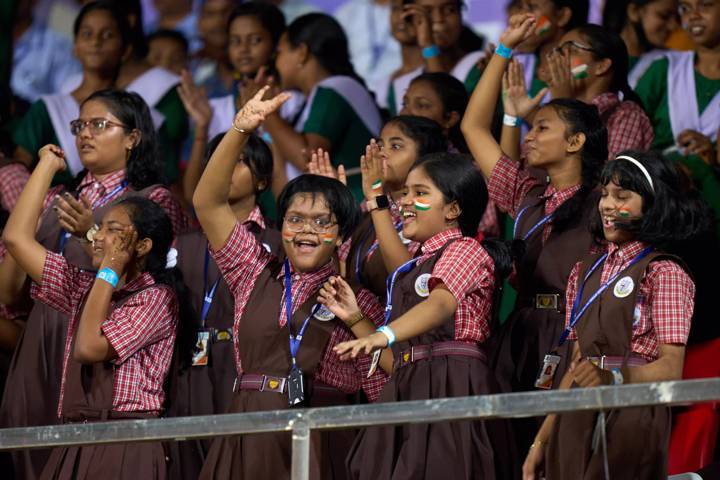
[
  {"x": 205, "y": 386},
  {"x": 118, "y": 148},
  {"x": 551, "y": 231},
  {"x": 283, "y": 340},
  {"x": 340, "y": 115},
  {"x": 437, "y": 319},
  {"x": 102, "y": 35},
  {"x": 645, "y": 26},
  {"x": 629, "y": 323},
  {"x": 122, "y": 327},
  {"x": 591, "y": 64}
]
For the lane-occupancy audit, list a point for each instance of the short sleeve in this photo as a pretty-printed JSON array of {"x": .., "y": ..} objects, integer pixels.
[
  {"x": 13, "y": 178},
  {"x": 147, "y": 317},
  {"x": 463, "y": 268},
  {"x": 62, "y": 285},
  {"x": 508, "y": 185},
  {"x": 671, "y": 301},
  {"x": 329, "y": 116},
  {"x": 240, "y": 258},
  {"x": 180, "y": 221}
]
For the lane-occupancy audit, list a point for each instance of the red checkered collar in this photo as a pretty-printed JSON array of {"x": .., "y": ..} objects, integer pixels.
[
  {"x": 625, "y": 252},
  {"x": 256, "y": 217},
  {"x": 138, "y": 283},
  {"x": 605, "y": 101},
  {"x": 107, "y": 184},
  {"x": 437, "y": 241},
  {"x": 555, "y": 197}
]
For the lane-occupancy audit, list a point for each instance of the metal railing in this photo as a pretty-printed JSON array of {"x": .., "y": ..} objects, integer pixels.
[{"x": 302, "y": 421}]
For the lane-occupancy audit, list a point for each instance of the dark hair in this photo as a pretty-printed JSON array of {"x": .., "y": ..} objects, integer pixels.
[
  {"x": 608, "y": 44},
  {"x": 116, "y": 12},
  {"x": 454, "y": 98},
  {"x": 151, "y": 221},
  {"x": 580, "y": 10},
  {"x": 165, "y": 33},
  {"x": 672, "y": 210},
  {"x": 256, "y": 155},
  {"x": 326, "y": 41},
  {"x": 615, "y": 18},
  {"x": 133, "y": 8},
  {"x": 426, "y": 133},
  {"x": 579, "y": 117},
  {"x": 459, "y": 180},
  {"x": 270, "y": 17},
  {"x": 470, "y": 40},
  {"x": 338, "y": 197}
]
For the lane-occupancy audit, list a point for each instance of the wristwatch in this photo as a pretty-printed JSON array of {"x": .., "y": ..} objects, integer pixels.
[
  {"x": 378, "y": 203},
  {"x": 90, "y": 234}
]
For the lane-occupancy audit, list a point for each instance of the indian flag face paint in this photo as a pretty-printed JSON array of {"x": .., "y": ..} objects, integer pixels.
[
  {"x": 288, "y": 237},
  {"x": 423, "y": 207},
  {"x": 579, "y": 70},
  {"x": 623, "y": 213},
  {"x": 377, "y": 185},
  {"x": 328, "y": 238},
  {"x": 543, "y": 25}
]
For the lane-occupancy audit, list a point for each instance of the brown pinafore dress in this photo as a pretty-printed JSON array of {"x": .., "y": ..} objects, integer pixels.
[
  {"x": 33, "y": 386},
  {"x": 206, "y": 390},
  {"x": 637, "y": 438},
  {"x": 88, "y": 398},
  {"x": 364, "y": 272},
  {"x": 264, "y": 349},
  {"x": 446, "y": 450}
]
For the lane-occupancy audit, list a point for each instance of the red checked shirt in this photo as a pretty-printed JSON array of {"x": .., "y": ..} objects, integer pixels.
[
  {"x": 142, "y": 331},
  {"x": 13, "y": 178},
  {"x": 665, "y": 300},
  {"x": 241, "y": 260},
  {"x": 629, "y": 127},
  {"x": 508, "y": 186},
  {"x": 467, "y": 271}
]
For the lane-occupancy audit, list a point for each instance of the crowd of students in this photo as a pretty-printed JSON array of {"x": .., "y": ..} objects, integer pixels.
[{"x": 262, "y": 228}]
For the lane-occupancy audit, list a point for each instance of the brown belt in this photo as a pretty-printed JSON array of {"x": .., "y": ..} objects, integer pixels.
[
  {"x": 610, "y": 362},
  {"x": 271, "y": 383},
  {"x": 438, "y": 349}
]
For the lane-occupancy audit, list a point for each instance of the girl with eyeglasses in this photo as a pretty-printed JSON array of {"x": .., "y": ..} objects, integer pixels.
[
  {"x": 590, "y": 64},
  {"x": 121, "y": 324},
  {"x": 203, "y": 385},
  {"x": 568, "y": 142},
  {"x": 117, "y": 144},
  {"x": 283, "y": 339}
]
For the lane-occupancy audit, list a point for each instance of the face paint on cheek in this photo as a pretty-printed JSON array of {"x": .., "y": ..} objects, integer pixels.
[
  {"x": 423, "y": 207},
  {"x": 543, "y": 26},
  {"x": 328, "y": 238},
  {"x": 288, "y": 237},
  {"x": 624, "y": 213},
  {"x": 579, "y": 70}
]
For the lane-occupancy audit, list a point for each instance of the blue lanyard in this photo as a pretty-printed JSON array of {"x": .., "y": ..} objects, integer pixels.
[
  {"x": 390, "y": 283},
  {"x": 575, "y": 314},
  {"x": 539, "y": 224},
  {"x": 109, "y": 196},
  {"x": 208, "y": 295},
  {"x": 294, "y": 339},
  {"x": 374, "y": 246}
]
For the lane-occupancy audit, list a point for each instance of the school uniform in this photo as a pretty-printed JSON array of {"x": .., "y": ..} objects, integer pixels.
[
  {"x": 262, "y": 358},
  {"x": 648, "y": 302},
  {"x": 205, "y": 388},
  {"x": 447, "y": 361},
  {"x": 141, "y": 328},
  {"x": 639, "y": 65},
  {"x": 540, "y": 278},
  {"x": 628, "y": 125},
  {"x": 35, "y": 370}
]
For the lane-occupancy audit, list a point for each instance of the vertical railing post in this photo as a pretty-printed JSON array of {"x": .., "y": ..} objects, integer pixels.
[{"x": 300, "y": 469}]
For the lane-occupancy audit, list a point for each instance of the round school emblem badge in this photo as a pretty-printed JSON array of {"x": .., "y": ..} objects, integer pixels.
[
  {"x": 421, "y": 285},
  {"x": 624, "y": 287},
  {"x": 324, "y": 314}
]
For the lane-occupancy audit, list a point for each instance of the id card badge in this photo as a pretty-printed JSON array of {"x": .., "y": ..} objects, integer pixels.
[
  {"x": 296, "y": 388},
  {"x": 547, "y": 372},
  {"x": 375, "y": 361},
  {"x": 201, "y": 352}
]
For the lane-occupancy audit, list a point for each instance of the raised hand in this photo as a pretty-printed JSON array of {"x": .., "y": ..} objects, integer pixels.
[
  {"x": 696, "y": 143},
  {"x": 515, "y": 95},
  {"x": 320, "y": 164},
  {"x": 118, "y": 255},
  {"x": 364, "y": 346},
  {"x": 422, "y": 22},
  {"x": 372, "y": 169},
  {"x": 52, "y": 156},
  {"x": 339, "y": 298},
  {"x": 249, "y": 87},
  {"x": 520, "y": 28},
  {"x": 562, "y": 84},
  {"x": 254, "y": 112},
  {"x": 195, "y": 101},
  {"x": 74, "y": 216}
]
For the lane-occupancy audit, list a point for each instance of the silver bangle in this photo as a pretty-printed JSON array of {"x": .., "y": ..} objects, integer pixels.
[{"x": 239, "y": 129}]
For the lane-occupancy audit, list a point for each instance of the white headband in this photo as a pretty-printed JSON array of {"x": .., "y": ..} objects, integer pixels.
[{"x": 641, "y": 167}]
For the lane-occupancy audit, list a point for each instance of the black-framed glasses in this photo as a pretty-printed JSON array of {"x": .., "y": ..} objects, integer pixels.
[
  {"x": 96, "y": 125},
  {"x": 296, "y": 223},
  {"x": 567, "y": 45}
]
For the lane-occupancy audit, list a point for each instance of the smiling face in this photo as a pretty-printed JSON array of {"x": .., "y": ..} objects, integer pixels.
[
  {"x": 658, "y": 19},
  {"x": 446, "y": 21},
  {"x": 424, "y": 210},
  {"x": 546, "y": 143},
  {"x": 98, "y": 43},
  {"x": 701, "y": 19},
  {"x": 103, "y": 151},
  {"x": 250, "y": 45},
  {"x": 307, "y": 248},
  {"x": 398, "y": 152},
  {"x": 111, "y": 229},
  {"x": 618, "y": 205}
]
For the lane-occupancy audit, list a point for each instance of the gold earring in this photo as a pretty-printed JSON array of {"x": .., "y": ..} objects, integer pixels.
[{"x": 128, "y": 152}]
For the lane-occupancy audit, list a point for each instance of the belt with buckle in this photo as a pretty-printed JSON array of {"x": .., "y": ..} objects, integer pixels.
[
  {"x": 262, "y": 383},
  {"x": 609, "y": 362},
  {"x": 222, "y": 334},
  {"x": 438, "y": 349},
  {"x": 548, "y": 301}
]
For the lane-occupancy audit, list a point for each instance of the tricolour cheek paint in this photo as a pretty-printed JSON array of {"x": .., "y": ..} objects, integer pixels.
[
  {"x": 328, "y": 238},
  {"x": 377, "y": 185},
  {"x": 543, "y": 25},
  {"x": 623, "y": 213},
  {"x": 579, "y": 70},
  {"x": 423, "y": 207},
  {"x": 288, "y": 237}
]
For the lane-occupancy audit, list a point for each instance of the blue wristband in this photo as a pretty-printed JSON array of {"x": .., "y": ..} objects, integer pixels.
[
  {"x": 109, "y": 276},
  {"x": 387, "y": 331},
  {"x": 503, "y": 51},
  {"x": 430, "y": 52}
]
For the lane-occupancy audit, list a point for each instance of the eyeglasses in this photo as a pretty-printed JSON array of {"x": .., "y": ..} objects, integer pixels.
[
  {"x": 565, "y": 47},
  {"x": 296, "y": 223},
  {"x": 97, "y": 125}
]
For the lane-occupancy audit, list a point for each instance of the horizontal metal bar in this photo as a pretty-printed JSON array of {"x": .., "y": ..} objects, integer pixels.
[{"x": 480, "y": 407}]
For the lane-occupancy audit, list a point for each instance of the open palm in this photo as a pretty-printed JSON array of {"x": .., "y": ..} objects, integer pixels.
[{"x": 254, "y": 112}]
